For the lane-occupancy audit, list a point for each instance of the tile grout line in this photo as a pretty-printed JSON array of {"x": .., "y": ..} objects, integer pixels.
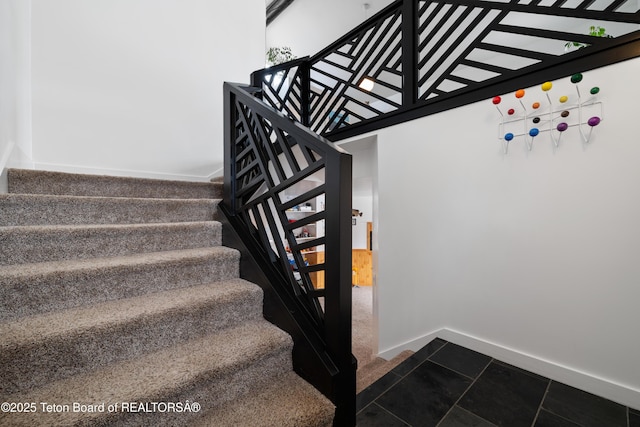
[
  {"x": 453, "y": 370},
  {"x": 546, "y": 391},
  {"x": 446, "y": 367},
  {"x": 419, "y": 364},
  {"x": 465, "y": 392},
  {"x": 475, "y": 415},
  {"x": 399, "y": 378},
  {"x": 562, "y": 418},
  {"x": 555, "y": 414},
  {"x": 524, "y": 371},
  {"x": 391, "y": 413}
]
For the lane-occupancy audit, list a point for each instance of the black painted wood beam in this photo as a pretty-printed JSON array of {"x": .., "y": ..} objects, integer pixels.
[{"x": 275, "y": 8}]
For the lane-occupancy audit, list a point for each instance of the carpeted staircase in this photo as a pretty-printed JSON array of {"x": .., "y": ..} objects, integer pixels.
[{"x": 116, "y": 293}]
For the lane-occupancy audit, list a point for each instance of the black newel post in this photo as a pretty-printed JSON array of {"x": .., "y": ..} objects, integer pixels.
[{"x": 338, "y": 286}]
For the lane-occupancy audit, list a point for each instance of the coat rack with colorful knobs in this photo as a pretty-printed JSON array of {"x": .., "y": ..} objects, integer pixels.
[{"x": 553, "y": 119}]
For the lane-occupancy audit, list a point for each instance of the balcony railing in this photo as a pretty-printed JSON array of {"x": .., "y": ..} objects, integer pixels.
[{"x": 416, "y": 58}]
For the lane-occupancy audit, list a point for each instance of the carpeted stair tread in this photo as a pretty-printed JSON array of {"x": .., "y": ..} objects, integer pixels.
[
  {"x": 29, "y": 289},
  {"x": 222, "y": 362},
  {"x": 377, "y": 368},
  {"x": 39, "y": 349},
  {"x": 28, "y": 209},
  {"x": 32, "y": 244},
  {"x": 28, "y": 181},
  {"x": 287, "y": 402}
]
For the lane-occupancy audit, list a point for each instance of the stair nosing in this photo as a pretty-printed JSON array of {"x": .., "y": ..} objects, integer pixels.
[
  {"x": 55, "y": 182},
  {"x": 156, "y": 181},
  {"x": 116, "y": 262},
  {"x": 315, "y": 405},
  {"x": 190, "y": 362},
  {"x": 140, "y": 225},
  {"x": 73, "y": 197},
  {"x": 51, "y": 325}
]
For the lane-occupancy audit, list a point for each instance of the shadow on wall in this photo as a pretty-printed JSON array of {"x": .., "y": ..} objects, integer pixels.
[
  {"x": 3, "y": 182},
  {"x": 12, "y": 156}
]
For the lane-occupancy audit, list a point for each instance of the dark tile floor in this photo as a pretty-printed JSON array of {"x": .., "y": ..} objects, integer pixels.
[{"x": 446, "y": 385}]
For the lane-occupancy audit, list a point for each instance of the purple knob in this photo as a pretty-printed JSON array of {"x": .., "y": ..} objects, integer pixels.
[
  {"x": 562, "y": 126},
  {"x": 593, "y": 121}
]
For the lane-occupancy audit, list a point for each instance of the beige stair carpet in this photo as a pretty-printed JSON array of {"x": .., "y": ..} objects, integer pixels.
[{"x": 119, "y": 306}]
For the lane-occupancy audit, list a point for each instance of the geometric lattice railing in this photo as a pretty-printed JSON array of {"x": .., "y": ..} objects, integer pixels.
[
  {"x": 417, "y": 57},
  {"x": 290, "y": 192}
]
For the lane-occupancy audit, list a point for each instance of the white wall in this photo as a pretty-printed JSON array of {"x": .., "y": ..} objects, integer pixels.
[
  {"x": 531, "y": 256},
  {"x": 135, "y": 86},
  {"x": 15, "y": 98},
  {"x": 363, "y": 152},
  {"x": 8, "y": 76},
  {"x": 308, "y": 26},
  {"x": 359, "y": 231}
]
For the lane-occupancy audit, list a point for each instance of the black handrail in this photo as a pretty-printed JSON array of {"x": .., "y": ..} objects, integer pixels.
[
  {"x": 277, "y": 172},
  {"x": 419, "y": 55}
]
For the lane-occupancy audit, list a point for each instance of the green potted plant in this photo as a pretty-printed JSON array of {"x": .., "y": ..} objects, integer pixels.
[
  {"x": 595, "y": 31},
  {"x": 278, "y": 55}
]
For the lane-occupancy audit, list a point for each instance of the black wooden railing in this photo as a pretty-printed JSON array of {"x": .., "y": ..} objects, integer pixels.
[
  {"x": 288, "y": 191},
  {"x": 422, "y": 57},
  {"x": 288, "y": 201}
]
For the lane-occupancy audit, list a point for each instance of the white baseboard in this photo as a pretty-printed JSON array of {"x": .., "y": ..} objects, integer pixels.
[
  {"x": 621, "y": 393},
  {"x": 218, "y": 173},
  {"x": 120, "y": 172},
  {"x": 5, "y": 155},
  {"x": 413, "y": 345}
]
